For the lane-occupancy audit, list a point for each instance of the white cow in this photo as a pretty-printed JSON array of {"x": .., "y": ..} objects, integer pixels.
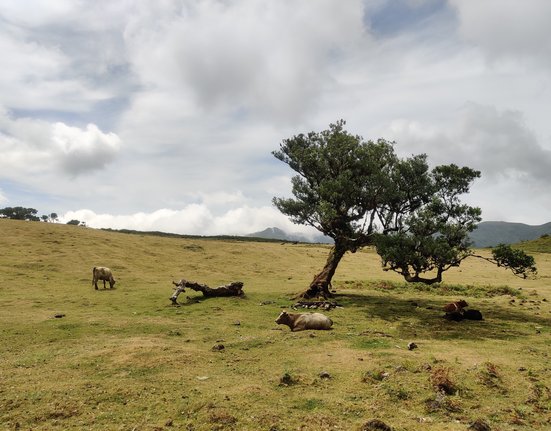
[
  {"x": 303, "y": 321},
  {"x": 102, "y": 273}
]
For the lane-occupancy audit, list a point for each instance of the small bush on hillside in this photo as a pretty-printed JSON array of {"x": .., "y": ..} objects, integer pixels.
[{"x": 442, "y": 382}]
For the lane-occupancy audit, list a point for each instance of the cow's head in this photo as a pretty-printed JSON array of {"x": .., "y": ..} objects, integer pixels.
[{"x": 282, "y": 318}]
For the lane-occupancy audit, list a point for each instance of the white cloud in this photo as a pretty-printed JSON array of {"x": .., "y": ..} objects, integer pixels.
[
  {"x": 234, "y": 56},
  {"x": 497, "y": 143},
  {"x": 31, "y": 146},
  {"x": 507, "y": 28},
  {"x": 195, "y": 219},
  {"x": 86, "y": 150}
]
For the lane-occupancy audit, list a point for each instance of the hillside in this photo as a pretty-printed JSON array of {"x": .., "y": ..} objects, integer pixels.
[
  {"x": 125, "y": 358},
  {"x": 492, "y": 233}
]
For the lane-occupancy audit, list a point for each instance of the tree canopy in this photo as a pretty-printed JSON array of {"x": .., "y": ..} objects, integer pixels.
[
  {"x": 20, "y": 213},
  {"x": 434, "y": 236}
]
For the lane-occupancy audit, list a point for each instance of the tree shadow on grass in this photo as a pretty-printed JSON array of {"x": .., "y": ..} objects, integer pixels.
[{"x": 424, "y": 318}]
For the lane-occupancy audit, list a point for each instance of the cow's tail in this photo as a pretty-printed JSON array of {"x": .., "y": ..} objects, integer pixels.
[{"x": 93, "y": 274}]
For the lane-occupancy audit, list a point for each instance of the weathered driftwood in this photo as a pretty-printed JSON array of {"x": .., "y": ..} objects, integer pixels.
[
  {"x": 231, "y": 289},
  {"x": 324, "y": 305}
]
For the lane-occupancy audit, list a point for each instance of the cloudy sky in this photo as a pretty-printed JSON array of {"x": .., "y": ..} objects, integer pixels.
[{"x": 162, "y": 115}]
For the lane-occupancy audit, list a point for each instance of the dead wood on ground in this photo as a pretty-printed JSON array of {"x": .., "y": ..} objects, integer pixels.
[{"x": 232, "y": 289}]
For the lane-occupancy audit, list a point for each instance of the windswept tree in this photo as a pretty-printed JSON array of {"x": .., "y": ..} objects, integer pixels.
[{"x": 350, "y": 190}]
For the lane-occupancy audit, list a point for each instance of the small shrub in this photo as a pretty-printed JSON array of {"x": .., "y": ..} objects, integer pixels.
[
  {"x": 222, "y": 418},
  {"x": 441, "y": 402},
  {"x": 287, "y": 380},
  {"x": 490, "y": 375},
  {"x": 397, "y": 393},
  {"x": 441, "y": 381},
  {"x": 374, "y": 376}
]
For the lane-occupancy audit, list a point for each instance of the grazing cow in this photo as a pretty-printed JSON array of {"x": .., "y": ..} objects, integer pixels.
[
  {"x": 303, "y": 321},
  {"x": 102, "y": 273},
  {"x": 456, "y": 307}
]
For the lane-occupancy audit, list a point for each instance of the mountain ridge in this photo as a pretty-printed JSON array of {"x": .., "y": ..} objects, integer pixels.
[{"x": 486, "y": 234}]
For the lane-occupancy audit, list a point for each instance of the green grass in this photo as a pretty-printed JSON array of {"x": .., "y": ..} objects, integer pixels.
[
  {"x": 126, "y": 359},
  {"x": 540, "y": 245}
]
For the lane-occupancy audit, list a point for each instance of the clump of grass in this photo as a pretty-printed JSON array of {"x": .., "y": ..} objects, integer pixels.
[
  {"x": 193, "y": 247},
  {"x": 310, "y": 404},
  {"x": 540, "y": 392},
  {"x": 373, "y": 376},
  {"x": 222, "y": 418},
  {"x": 441, "y": 402},
  {"x": 490, "y": 375},
  {"x": 397, "y": 392},
  {"x": 442, "y": 382},
  {"x": 288, "y": 380}
]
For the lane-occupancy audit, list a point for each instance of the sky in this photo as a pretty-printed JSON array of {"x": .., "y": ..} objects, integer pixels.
[{"x": 163, "y": 115}]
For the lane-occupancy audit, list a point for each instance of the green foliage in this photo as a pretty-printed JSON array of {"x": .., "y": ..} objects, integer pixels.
[
  {"x": 434, "y": 236},
  {"x": 522, "y": 264},
  {"x": 345, "y": 185},
  {"x": 29, "y": 214},
  {"x": 19, "y": 213}
]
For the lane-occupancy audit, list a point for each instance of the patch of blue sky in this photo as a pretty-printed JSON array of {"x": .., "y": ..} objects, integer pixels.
[
  {"x": 104, "y": 114},
  {"x": 394, "y": 17},
  {"x": 17, "y": 194}
]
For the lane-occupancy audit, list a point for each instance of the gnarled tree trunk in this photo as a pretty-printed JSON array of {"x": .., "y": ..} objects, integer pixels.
[
  {"x": 418, "y": 279},
  {"x": 322, "y": 281}
]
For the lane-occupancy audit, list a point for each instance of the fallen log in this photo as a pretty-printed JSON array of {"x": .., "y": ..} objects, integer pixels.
[{"x": 231, "y": 289}]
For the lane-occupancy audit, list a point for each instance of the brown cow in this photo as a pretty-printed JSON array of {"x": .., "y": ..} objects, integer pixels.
[
  {"x": 303, "y": 321},
  {"x": 456, "y": 307},
  {"x": 102, "y": 273}
]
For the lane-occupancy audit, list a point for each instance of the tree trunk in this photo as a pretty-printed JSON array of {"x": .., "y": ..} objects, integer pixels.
[
  {"x": 231, "y": 289},
  {"x": 417, "y": 279},
  {"x": 321, "y": 283}
]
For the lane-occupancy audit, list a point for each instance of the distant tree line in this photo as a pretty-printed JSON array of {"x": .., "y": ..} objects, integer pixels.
[{"x": 30, "y": 214}]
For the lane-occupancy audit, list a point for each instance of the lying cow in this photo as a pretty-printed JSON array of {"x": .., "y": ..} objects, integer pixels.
[
  {"x": 303, "y": 321},
  {"x": 102, "y": 273},
  {"x": 456, "y": 307}
]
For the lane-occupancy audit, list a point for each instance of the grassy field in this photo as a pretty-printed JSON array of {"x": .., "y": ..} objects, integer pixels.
[{"x": 126, "y": 359}]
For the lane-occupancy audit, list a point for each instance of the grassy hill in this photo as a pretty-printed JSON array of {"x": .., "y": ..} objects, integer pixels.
[
  {"x": 492, "y": 233},
  {"x": 125, "y": 359},
  {"x": 540, "y": 245}
]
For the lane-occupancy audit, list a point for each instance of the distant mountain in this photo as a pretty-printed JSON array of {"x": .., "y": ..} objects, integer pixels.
[
  {"x": 487, "y": 234},
  {"x": 492, "y": 233},
  {"x": 276, "y": 233}
]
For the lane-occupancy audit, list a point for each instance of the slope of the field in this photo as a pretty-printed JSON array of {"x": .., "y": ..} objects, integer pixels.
[{"x": 125, "y": 359}]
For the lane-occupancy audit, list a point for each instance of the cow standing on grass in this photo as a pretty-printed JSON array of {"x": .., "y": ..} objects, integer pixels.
[{"x": 102, "y": 273}]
